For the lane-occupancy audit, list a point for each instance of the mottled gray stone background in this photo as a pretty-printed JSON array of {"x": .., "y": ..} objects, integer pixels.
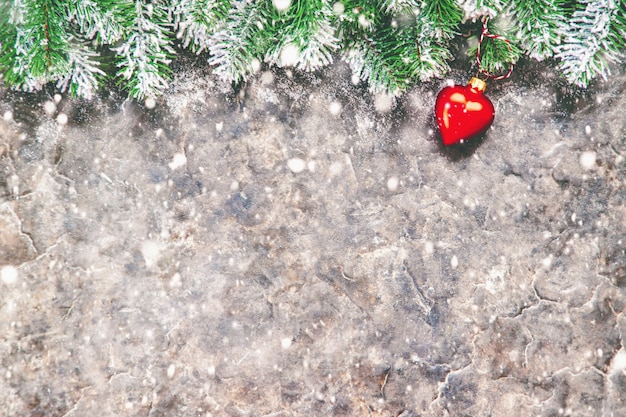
[{"x": 302, "y": 248}]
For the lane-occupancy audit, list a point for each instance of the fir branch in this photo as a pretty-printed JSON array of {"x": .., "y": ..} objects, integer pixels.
[
  {"x": 8, "y": 34},
  {"x": 439, "y": 20},
  {"x": 539, "y": 25},
  {"x": 307, "y": 27},
  {"x": 400, "y": 6},
  {"x": 391, "y": 60},
  {"x": 84, "y": 74},
  {"x": 369, "y": 51},
  {"x": 36, "y": 44},
  {"x": 144, "y": 55},
  {"x": 475, "y": 9},
  {"x": 595, "y": 38},
  {"x": 359, "y": 18},
  {"x": 196, "y": 20},
  {"x": 236, "y": 49},
  {"x": 103, "y": 21},
  {"x": 405, "y": 48},
  {"x": 496, "y": 55}
]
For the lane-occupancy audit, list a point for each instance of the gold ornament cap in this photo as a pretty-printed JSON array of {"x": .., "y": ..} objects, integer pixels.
[{"x": 477, "y": 84}]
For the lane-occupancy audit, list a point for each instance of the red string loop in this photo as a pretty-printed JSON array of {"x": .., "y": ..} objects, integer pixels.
[{"x": 486, "y": 33}]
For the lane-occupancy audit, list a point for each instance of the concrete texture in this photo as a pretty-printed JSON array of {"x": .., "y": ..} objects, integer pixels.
[{"x": 301, "y": 248}]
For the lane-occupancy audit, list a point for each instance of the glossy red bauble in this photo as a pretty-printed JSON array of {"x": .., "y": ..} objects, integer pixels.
[{"x": 463, "y": 111}]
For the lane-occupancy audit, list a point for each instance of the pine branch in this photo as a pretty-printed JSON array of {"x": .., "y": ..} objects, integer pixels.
[
  {"x": 405, "y": 48},
  {"x": 104, "y": 21},
  {"x": 400, "y": 6},
  {"x": 372, "y": 54},
  {"x": 389, "y": 43},
  {"x": 34, "y": 44},
  {"x": 84, "y": 75},
  {"x": 475, "y": 9},
  {"x": 439, "y": 20},
  {"x": 196, "y": 20},
  {"x": 595, "y": 38},
  {"x": 236, "y": 49},
  {"x": 539, "y": 23},
  {"x": 144, "y": 55},
  {"x": 497, "y": 55},
  {"x": 306, "y": 29}
]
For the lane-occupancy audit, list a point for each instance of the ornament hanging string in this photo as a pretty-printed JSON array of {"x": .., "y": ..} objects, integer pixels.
[{"x": 486, "y": 33}]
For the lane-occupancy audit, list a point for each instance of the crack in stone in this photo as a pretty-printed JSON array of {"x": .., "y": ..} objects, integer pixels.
[
  {"x": 445, "y": 383},
  {"x": 26, "y": 235}
]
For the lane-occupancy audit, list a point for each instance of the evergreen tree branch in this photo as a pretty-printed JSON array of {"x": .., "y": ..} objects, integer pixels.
[
  {"x": 35, "y": 44},
  {"x": 475, "y": 9},
  {"x": 539, "y": 24},
  {"x": 144, "y": 55},
  {"x": 389, "y": 43},
  {"x": 400, "y": 6},
  {"x": 196, "y": 20},
  {"x": 236, "y": 48},
  {"x": 497, "y": 55},
  {"x": 439, "y": 20},
  {"x": 84, "y": 75},
  {"x": 307, "y": 27},
  {"x": 104, "y": 21},
  {"x": 595, "y": 37}
]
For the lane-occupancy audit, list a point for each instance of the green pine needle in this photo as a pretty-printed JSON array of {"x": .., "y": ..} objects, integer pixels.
[{"x": 391, "y": 44}]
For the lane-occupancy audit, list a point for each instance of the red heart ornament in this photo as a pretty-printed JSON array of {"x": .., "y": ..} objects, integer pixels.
[{"x": 463, "y": 111}]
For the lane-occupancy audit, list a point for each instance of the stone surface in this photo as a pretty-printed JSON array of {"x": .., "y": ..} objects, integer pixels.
[{"x": 296, "y": 249}]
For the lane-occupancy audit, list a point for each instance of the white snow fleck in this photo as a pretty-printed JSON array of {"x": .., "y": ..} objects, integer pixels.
[
  {"x": 587, "y": 160},
  {"x": 454, "y": 262},
  {"x": 335, "y": 169},
  {"x": 8, "y": 273},
  {"x": 151, "y": 252},
  {"x": 296, "y": 165},
  {"x": 618, "y": 363},
  {"x": 171, "y": 371},
  {"x": 234, "y": 186},
  {"x": 599, "y": 353},
  {"x": 338, "y": 8},
  {"x": 289, "y": 55},
  {"x": 219, "y": 126},
  {"x": 62, "y": 119},
  {"x": 311, "y": 165},
  {"x": 429, "y": 247},
  {"x": 334, "y": 108},
  {"x": 57, "y": 98},
  {"x": 495, "y": 280},
  {"x": 547, "y": 262},
  {"x": 175, "y": 281},
  {"x": 281, "y": 5},
  {"x": 392, "y": 183},
  {"x": 211, "y": 370},
  {"x": 363, "y": 21},
  {"x": 383, "y": 103},
  {"x": 588, "y": 130},
  {"x": 178, "y": 161},
  {"x": 150, "y": 103},
  {"x": 8, "y": 116},
  {"x": 256, "y": 65},
  {"x": 49, "y": 107},
  {"x": 267, "y": 78},
  {"x": 285, "y": 343}
]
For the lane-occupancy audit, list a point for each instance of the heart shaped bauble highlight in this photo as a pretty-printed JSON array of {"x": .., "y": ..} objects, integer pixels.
[{"x": 463, "y": 111}]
